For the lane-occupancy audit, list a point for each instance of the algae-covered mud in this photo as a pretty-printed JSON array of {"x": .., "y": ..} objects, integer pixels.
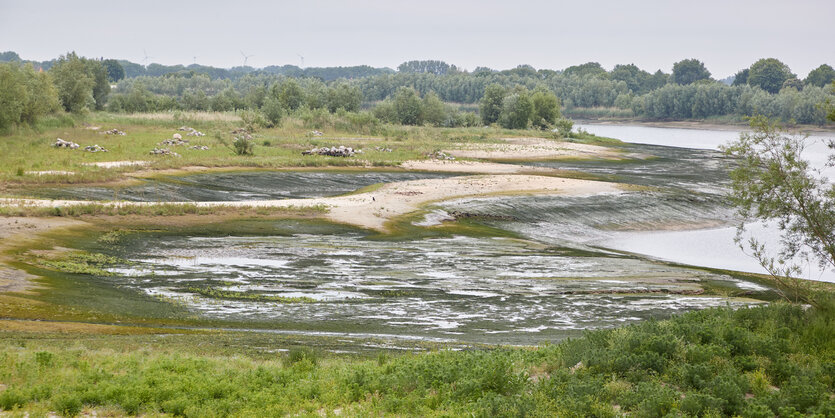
[
  {"x": 235, "y": 186},
  {"x": 459, "y": 289},
  {"x": 505, "y": 268}
]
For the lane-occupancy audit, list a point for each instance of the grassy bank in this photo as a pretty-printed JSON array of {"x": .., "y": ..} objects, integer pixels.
[
  {"x": 27, "y": 157},
  {"x": 760, "y": 361}
]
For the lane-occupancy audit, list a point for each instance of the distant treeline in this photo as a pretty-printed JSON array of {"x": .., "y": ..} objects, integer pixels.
[
  {"x": 767, "y": 87},
  {"x": 132, "y": 69}
]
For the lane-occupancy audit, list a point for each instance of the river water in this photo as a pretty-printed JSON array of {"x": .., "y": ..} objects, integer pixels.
[
  {"x": 711, "y": 247},
  {"x": 582, "y": 263}
]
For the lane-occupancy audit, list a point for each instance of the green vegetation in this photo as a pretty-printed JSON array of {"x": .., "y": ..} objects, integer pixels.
[
  {"x": 768, "y": 87},
  {"x": 215, "y": 293},
  {"x": 689, "y": 71},
  {"x": 761, "y": 361},
  {"x": 773, "y": 182},
  {"x": 78, "y": 262},
  {"x": 155, "y": 209},
  {"x": 25, "y": 96}
]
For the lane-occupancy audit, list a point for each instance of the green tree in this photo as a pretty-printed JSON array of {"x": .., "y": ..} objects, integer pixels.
[
  {"x": 546, "y": 109},
  {"x": 774, "y": 183},
  {"x": 408, "y": 106},
  {"x": 741, "y": 77},
  {"x": 490, "y": 107},
  {"x": 636, "y": 79},
  {"x": 517, "y": 110},
  {"x": 74, "y": 83},
  {"x": 273, "y": 111},
  {"x": 433, "y": 109},
  {"x": 115, "y": 71},
  {"x": 769, "y": 74},
  {"x": 344, "y": 96},
  {"x": 589, "y": 69},
  {"x": 793, "y": 83},
  {"x": 428, "y": 66},
  {"x": 290, "y": 94},
  {"x": 25, "y": 95},
  {"x": 820, "y": 76},
  {"x": 689, "y": 71},
  {"x": 101, "y": 86},
  {"x": 12, "y": 95}
]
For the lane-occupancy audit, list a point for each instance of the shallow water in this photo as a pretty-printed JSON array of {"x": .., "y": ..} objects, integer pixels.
[
  {"x": 692, "y": 184},
  {"x": 462, "y": 289},
  {"x": 238, "y": 186}
]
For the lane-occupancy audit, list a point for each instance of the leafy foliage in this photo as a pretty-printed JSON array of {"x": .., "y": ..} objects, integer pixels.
[
  {"x": 25, "y": 96},
  {"x": 773, "y": 182},
  {"x": 758, "y": 361},
  {"x": 689, "y": 71},
  {"x": 769, "y": 74}
]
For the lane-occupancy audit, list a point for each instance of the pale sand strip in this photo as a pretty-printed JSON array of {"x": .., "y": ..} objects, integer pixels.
[
  {"x": 373, "y": 209},
  {"x": 532, "y": 149},
  {"x": 474, "y": 167},
  {"x": 16, "y": 231}
]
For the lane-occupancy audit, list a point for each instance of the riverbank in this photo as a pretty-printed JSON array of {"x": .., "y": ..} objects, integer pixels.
[
  {"x": 374, "y": 209},
  {"x": 708, "y": 125}
]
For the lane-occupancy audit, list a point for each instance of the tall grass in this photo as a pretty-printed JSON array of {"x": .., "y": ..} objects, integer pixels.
[{"x": 752, "y": 362}]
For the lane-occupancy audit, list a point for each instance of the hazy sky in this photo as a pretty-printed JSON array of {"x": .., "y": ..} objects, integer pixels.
[{"x": 726, "y": 35}]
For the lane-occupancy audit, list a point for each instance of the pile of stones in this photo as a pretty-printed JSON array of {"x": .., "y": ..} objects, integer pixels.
[
  {"x": 163, "y": 151},
  {"x": 60, "y": 143},
  {"x": 114, "y": 131},
  {"x": 95, "y": 148},
  {"x": 176, "y": 140},
  {"x": 341, "y": 151},
  {"x": 440, "y": 155},
  {"x": 191, "y": 131}
]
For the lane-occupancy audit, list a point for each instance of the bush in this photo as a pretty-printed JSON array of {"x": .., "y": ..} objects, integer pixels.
[{"x": 243, "y": 146}]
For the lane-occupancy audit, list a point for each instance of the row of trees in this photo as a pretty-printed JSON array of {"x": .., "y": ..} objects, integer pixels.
[
  {"x": 518, "y": 108},
  {"x": 406, "y": 107},
  {"x": 25, "y": 95},
  {"x": 73, "y": 83}
]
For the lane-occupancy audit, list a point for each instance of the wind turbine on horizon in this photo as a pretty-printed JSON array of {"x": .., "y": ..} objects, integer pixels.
[
  {"x": 246, "y": 57},
  {"x": 301, "y": 58},
  {"x": 146, "y": 58}
]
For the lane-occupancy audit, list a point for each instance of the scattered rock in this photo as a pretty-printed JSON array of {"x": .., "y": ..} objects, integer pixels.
[
  {"x": 51, "y": 172},
  {"x": 382, "y": 149},
  {"x": 163, "y": 151},
  {"x": 199, "y": 147},
  {"x": 341, "y": 151},
  {"x": 95, "y": 148},
  {"x": 113, "y": 131},
  {"x": 185, "y": 128},
  {"x": 316, "y": 133},
  {"x": 239, "y": 131},
  {"x": 174, "y": 142},
  {"x": 440, "y": 155},
  {"x": 176, "y": 136},
  {"x": 195, "y": 133},
  {"x": 60, "y": 143}
]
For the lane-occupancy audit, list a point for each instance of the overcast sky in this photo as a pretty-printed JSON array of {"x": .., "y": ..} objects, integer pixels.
[{"x": 726, "y": 35}]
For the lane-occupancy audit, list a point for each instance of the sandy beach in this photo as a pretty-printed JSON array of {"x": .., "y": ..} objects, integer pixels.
[
  {"x": 532, "y": 149},
  {"x": 375, "y": 208}
]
